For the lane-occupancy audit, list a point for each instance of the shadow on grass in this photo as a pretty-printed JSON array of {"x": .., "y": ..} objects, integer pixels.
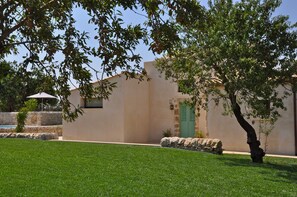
[{"x": 276, "y": 169}]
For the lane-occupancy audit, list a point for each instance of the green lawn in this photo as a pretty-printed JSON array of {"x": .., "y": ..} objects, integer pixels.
[{"x": 44, "y": 168}]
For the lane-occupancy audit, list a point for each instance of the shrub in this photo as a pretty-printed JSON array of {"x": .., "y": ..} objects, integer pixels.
[
  {"x": 30, "y": 105},
  {"x": 265, "y": 127},
  {"x": 167, "y": 133},
  {"x": 199, "y": 134}
]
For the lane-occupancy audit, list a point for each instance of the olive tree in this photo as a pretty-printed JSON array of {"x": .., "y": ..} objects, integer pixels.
[{"x": 243, "y": 48}]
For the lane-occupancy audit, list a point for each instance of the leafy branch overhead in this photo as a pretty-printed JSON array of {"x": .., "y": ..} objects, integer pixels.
[{"x": 47, "y": 30}]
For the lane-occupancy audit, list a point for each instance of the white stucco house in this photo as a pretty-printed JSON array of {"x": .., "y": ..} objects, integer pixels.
[{"x": 139, "y": 112}]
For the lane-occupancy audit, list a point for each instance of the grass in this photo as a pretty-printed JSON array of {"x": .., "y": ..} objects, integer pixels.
[{"x": 43, "y": 168}]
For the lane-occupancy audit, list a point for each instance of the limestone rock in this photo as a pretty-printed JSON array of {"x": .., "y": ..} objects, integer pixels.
[
  {"x": 181, "y": 142},
  {"x": 165, "y": 142},
  {"x": 174, "y": 141},
  {"x": 197, "y": 144},
  {"x": 188, "y": 143},
  {"x": 41, "y": 136}
]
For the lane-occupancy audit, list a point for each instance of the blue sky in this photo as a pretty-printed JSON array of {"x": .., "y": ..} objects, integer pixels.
[{"x": 288, "y": 7}]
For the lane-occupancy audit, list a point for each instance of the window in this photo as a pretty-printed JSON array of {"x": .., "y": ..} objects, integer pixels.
[{"x": 92, "y": 103}]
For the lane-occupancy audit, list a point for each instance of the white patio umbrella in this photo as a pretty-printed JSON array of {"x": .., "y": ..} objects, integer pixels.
[{"x": 41, "y": 95}]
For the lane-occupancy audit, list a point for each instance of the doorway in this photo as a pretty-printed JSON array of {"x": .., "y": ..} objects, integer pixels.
[{"x": 187, "y": 120}]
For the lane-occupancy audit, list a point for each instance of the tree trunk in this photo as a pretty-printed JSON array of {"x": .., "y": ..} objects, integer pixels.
[{"x": 257, "y": 153}]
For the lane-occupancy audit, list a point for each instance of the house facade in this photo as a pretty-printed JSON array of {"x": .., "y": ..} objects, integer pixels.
[
  {"x": 281, "y": 140},
  {"x": 139, "y": 112}
]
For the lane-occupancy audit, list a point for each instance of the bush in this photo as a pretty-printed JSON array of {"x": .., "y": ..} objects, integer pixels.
[
  {"x": 30, "y": 105},
  {"x": 199, "y": 134},
  {"x": 167, "y": 133}
]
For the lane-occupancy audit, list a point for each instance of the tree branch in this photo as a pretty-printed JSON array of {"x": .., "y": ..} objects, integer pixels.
[
  {"x": 6, "y": 14},
  {"x": 5, "y": 5},
  {"x": 6, "y": 33},
  {"x": 19, "y": 43}
]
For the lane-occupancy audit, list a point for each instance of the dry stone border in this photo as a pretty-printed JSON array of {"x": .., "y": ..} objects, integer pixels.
[
  {"x": 37, "y": 129},
  {"x": 39, "y": 136},
  {"x": 196, "y": 144}
]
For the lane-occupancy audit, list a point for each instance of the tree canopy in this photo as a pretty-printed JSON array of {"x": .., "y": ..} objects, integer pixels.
[
  {"x": 16, "y": 83},
  {"x": 238, "y": 55},
  {"x": 47, "y": 29}
]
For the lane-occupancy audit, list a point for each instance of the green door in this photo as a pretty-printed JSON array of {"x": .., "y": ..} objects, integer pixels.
[{"x": 187, "y": 120}]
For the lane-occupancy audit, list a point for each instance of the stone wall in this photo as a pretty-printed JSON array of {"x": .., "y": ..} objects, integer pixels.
[
  {"x": 36, "y": 129},
  {"x": 8, "y": 118},
  {"x": 40, "y": 136},
  {"x": 195, "y": 144},
  {"x": 34, "y": 118}
]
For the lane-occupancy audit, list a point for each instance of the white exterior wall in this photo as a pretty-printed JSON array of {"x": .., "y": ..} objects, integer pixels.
[
  {"x": 226, "y": 128},
  {"x": 136, "y": 111},
  {"x": 161, "y": 92},
  {"x": 140, "y": 112},
  {"x": 281, "y": 140},
  {"x": 99, "y": 124}
]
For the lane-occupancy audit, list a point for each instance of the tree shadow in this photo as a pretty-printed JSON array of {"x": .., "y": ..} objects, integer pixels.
[{"x": 275, "y": 170}]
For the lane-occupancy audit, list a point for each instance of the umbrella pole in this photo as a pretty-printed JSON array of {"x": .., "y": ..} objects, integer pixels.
[{"x": 41, "y": 104}]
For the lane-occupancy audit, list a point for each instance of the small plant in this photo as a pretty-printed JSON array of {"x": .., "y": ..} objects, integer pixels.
[
  {"x": 30, "y": 105},
  {"x": 265, "y": 127},
  {"x": 199, "y": 134},
  {"x": 167, "y": 133}
]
